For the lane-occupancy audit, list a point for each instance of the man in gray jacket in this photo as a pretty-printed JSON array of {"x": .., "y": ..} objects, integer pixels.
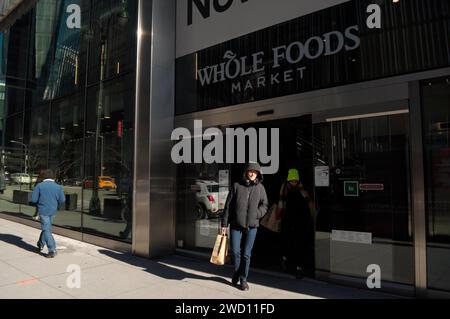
[{"x": 246, "y": 204}]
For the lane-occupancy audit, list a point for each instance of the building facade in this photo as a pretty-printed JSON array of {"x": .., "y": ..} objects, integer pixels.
[{"x": 353, "y": 94}]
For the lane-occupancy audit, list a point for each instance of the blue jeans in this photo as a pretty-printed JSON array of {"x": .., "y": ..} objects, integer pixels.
[
  {"x": 242, "y": 241},
  {"x": 46, "y": 237}
]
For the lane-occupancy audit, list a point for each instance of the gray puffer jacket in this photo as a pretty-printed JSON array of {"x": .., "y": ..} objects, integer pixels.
[{"x": 247, "y": 201}]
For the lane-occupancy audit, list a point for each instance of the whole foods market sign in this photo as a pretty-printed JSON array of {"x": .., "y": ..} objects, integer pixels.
[
  {"x": 250, "y": 71},
  {"x": 351, "y": 42}
]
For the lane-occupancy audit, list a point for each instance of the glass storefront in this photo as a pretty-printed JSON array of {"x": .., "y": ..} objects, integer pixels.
[
  {"x": 67, "y": 102},
  {"x": 436, "y": 130},
  {"x": 357, "y": 168},
  {"x": 364, "y": 215},
  {"x": 357, "y": 171},
  {"x": 69, "y": 74},
  {"x": 203, "y": 190}
]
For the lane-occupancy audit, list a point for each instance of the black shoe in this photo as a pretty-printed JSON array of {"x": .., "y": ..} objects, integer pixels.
[
  {"x": 39, "y": 248},
  {"x": 235, "y": 279},
  {"x": 244, "y": 286},
  {"x": 299, "y": 273},
  {"x": 51, "y": 254},
  {"x": 284, "y": 265}
]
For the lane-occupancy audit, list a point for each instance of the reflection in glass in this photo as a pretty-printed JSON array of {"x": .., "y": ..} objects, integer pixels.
[
  {"x": 436, "y": 117},
  {"x": 202, "y": 192},
  {"x": 83, "y": 131},
  {"x": 364, "y": 215}
]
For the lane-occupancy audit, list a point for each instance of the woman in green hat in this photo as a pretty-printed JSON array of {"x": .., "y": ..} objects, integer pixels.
[{"x": 299, "y": 209}]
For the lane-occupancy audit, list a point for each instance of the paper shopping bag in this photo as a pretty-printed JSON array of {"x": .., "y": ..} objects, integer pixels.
[
  {"x": 220, "y": 251},
  {"x": 272, "y": 220}
]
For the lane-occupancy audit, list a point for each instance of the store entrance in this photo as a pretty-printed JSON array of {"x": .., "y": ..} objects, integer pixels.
[{"x": 296, "y": 152}]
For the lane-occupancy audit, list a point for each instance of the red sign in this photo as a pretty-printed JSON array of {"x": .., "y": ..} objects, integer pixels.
[
  {"x": 119, "y": 129},
  {"x": 371, "y": 187}
]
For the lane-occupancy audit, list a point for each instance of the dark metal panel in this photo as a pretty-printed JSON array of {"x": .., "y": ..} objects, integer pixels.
[
  {"x": 107, "y": 243},
  {"x": 387, "y": 91},
  {"x": 418, "y": 190},
  {"x": 94, "y": 240},
  {"x": 31, "y": 223}
]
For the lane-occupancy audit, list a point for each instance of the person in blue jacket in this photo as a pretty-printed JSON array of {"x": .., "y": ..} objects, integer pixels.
[{"x": 48, "y": 196}]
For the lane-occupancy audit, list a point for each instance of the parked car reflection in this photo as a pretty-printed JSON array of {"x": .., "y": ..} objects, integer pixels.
[
  {"x": 104, "y": 182},
  {"x": 208, "y": 203},
  {"x": 20, "y": 178},
  {"x": 73, "y": 182}
]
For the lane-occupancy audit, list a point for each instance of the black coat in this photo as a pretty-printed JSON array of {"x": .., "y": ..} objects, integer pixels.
[
  {"x": 297, "y": 213},
  {"x": 246, "y": 203},
  {"x": 245, "y": 206}
]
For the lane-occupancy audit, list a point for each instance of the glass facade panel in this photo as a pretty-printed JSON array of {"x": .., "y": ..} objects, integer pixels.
[
  {"x": 203, "y": 189},
  {"x": 436, "y": 119},
  {"x": 201, "y": 195},
  {"x": 67, "y": 82},
  {"x": 364, "y": 214}
]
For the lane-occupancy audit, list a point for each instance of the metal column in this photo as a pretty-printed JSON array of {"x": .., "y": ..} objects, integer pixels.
[
  {"x": 418, "y": 191},
  {"x": 154, "y": 207}
]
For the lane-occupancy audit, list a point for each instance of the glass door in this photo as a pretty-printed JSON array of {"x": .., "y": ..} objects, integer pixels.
[
  {"x": 436, "y": 118},
  {"x": 362, "y": 191}
]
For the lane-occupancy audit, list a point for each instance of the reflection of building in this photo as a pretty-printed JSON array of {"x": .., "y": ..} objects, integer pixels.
[
  {"x": 69, "y": 111},
  {"x": 2, "y": 86},
  {"x": 362, "y": 104},
  {"x": 2, "y": 105}
]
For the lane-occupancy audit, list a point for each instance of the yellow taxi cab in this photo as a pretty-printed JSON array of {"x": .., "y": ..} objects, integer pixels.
[{"x": 106, "y": 182}]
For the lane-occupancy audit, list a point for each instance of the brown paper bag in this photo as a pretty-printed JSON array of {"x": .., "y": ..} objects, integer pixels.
[
  {"x": 272, "y": 220},
  {"x": 220, "y": 251}
]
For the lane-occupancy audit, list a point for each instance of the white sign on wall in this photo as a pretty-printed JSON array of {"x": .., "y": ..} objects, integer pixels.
[
  {"x": 224, "y": 177},
  {"x": 322, "y": 176},
  {"x": 351, "y": 237},
  {"x": 204, "y": 23}
]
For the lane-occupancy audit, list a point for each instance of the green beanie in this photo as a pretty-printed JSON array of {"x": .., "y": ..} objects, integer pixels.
[{"x": 293, "y": 175}]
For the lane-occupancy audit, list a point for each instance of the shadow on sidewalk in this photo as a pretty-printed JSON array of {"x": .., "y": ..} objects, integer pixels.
[
  {"x": 18, "y": 242},
  {"x": 156, "y": 268},
  {"x": 287, "y": 285},
  {"x": 161, "y": 268}
]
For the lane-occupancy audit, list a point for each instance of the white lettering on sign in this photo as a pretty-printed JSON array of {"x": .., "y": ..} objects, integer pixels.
[
  {"x": 351, "y": 237},
  {"x": 234, "y": 67}
]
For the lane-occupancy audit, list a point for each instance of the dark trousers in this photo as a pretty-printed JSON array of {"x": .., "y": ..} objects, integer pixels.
[
  {"x": 294, "y": 247},
  {"x": 242, "y": 241}
]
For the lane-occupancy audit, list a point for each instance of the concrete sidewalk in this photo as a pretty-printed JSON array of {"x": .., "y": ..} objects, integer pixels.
[{"x": 106, "y": 274}]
